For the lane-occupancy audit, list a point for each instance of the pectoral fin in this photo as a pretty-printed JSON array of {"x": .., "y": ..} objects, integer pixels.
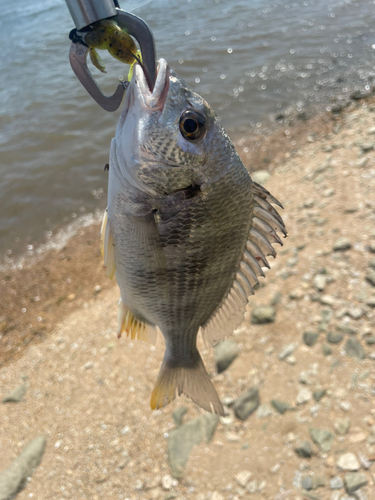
[{"x": 107, "y": 246}]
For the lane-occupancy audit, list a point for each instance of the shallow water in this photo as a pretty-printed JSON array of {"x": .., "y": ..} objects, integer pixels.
[{"x": 251, "y": 60}]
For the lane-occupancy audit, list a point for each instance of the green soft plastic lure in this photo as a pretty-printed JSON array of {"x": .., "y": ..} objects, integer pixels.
[{"x": 107, "y": 35}]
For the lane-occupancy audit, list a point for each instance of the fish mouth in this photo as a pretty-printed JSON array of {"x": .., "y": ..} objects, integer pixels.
[{"x": 155, "y": 99}]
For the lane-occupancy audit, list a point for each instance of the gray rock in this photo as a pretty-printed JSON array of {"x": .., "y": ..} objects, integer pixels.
[
  {"x": 182, "y": 440},
  {"x": 370, "y": 340},
  {"x": 348, "y": 462},
  {"x": 318, "y": 394},
  {"x": 342, "y": 425},
  {"x": 346, "y": 328},
  {"x": 260, "y": 176},
  {"x": 320, "y": 282},
  {"x": 372, "y": 263},
  {"x": 327, "y": 351},
  {"x": 334, "y": 337},
  {"x": 370, "y": 277},
  {"x": 371, "y": 302},
  {"x": 354, "y": 481},
  {"x": 310, "y": 338},
  {"x": 261, "y": 315},
  {"x": 342, "y": 244},
  {"x": 304, "y": 396},
  {"x": 178, "y": 415},
  {"x": 16, "y": 395},
  {"x": 307, "y": 483},
  {"x": 371, "y": 247},
  {"x": 365, "y": 461},
  {"x": 303, "y": 449},
  {"x": 277, "y": 298},
  {"x": 246, "y": 404},
  {"x": 13, "y": 479},
  {"x": 323, "y": 438},
  {"x": 280, "y": 406},
  {"x": 264, "y": 411},
  {"x": 287, "y": 351},
  {"x": 354, "y": 349},
  {"x": 226, "y": 352},
  {"x": 336, "y": 483}
]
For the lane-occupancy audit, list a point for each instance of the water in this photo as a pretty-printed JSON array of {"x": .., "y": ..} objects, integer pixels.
[{"x": 251, "y": 60}]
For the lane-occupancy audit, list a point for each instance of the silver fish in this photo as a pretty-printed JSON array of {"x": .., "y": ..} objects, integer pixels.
[{"x": 186, "y": 231}]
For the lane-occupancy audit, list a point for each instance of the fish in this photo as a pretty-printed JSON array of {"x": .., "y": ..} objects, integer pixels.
[{"x": 186, "y": 232}]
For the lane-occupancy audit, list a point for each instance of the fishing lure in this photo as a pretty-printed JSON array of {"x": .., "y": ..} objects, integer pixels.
[{"x": 107, "y": 35}]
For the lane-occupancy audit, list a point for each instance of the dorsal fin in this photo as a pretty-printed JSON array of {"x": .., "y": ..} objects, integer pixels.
[{"x": 266, "y": 221}]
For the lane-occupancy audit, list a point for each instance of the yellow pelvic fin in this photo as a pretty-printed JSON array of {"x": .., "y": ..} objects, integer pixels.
[
  {"x": 134, "y": 328},
  {"x": 107, "y": 246}
]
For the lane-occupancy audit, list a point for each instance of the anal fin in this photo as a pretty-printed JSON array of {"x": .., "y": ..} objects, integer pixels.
[{"x": 133, "y": 327}]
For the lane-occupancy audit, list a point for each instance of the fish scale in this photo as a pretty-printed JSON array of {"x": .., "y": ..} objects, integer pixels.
[{"x": 186, "y": 232}]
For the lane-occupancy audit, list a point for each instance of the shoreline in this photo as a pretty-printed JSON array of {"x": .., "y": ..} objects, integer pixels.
[{"x": 55, "y": 282}]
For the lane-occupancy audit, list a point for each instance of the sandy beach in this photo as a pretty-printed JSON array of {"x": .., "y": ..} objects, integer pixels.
[{"x": 88, "y": 393}]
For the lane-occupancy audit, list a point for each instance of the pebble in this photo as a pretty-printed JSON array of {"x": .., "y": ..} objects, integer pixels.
[
  {"x": 354, "y": 349},
  {"x": 226, "y": 352},
  {"x": 246, "y": 404},
  {"x": 307, "y": 483},
  {"x": 16, "y": 395},
  {"x": 310, "y": 338},
  {"x": 359, "y": 437},
  {"x": 346, "y": 328},
  {"x": 280, "y": 406},
  {"x": 243, "y": 477},
  {"x": 342, "y": 425},
  {"x": 88, "y": 365},
  {"x": 168, "y": 482},
  {"x": 334, "y": 337},
  {"x": 296, "y": 294},
  {"x": 323, "y": 438},
  {"x": 287, "y": 351},
  {"x": 178, "y": 415},
  {"x": 97, "y": 289},
  {"x": 320, "y": 282},
  {"x": 260, "y": 176},
  {"x": 365, "y": 461},
  {"x": 264, "y": 411},
  {"x": 252, "y": 487},
  {"x": 354, "y": 481},
  {"x": 261, "y": 315},
  {"x": 370, "y": 277},
  {"x": 342, "y": 244},
  {"x": 345, "y": 406},
  {"x": 319, "y": 394},
  {"x": 348, "y": 462},
  {"x": 327, "y": 351},
  {"x": 182, "y": 440},
  {"x": 216, "y": 496},
  {"x": 372, "y": 263},
  {"x": 303, "y": 449},
  {"x": 14, "y": 477},
  {"x": 336, "y": 483},
  {"x": 304, "y": 396}
]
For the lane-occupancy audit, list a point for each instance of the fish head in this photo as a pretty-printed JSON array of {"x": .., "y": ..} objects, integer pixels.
[{"x": 166, "y": 138}]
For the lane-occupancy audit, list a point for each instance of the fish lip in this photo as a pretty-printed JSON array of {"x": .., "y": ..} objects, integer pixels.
[{"x": 155, "y": 99}]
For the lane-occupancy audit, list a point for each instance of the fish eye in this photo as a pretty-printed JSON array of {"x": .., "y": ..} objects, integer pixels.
[{"x": 192, "y": 125}]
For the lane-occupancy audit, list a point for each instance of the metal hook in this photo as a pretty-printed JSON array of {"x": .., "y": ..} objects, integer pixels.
[{"x": 137, "y": 28}]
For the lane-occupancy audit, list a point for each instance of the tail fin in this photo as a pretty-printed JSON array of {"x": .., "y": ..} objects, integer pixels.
[{"x": 192, "y": 380}]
